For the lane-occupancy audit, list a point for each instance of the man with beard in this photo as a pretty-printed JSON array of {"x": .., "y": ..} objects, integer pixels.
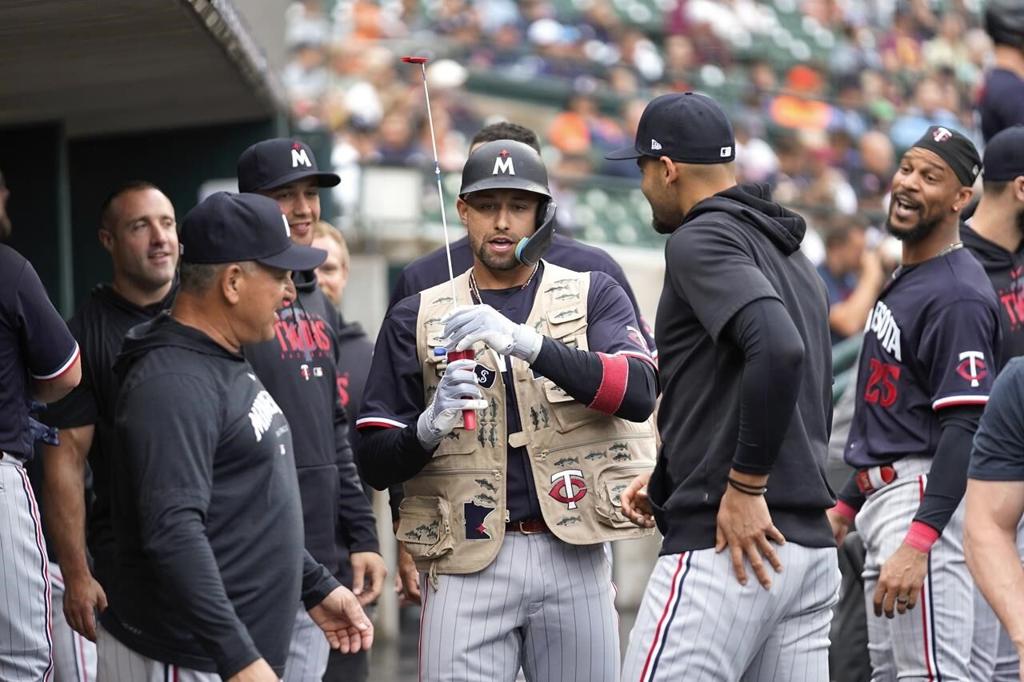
[
  {"x": 995, "y": 234},
  {"x": 508, "y": 521},
  {"x": 745, "y": 357},
  {"x": 926, "y": 369},
  {"x": 138, "y": 229}
]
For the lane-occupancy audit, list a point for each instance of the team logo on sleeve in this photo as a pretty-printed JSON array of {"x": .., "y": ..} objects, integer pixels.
[
  {"x": 972, "y": 367},
  {"x": 570, "y": 487}
]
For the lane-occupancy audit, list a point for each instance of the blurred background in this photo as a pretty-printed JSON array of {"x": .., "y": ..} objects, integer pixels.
[{"x": 824, "y": 96}]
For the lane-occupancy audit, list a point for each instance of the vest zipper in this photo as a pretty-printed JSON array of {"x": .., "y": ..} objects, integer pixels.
[{"x": 544, "y": 453}]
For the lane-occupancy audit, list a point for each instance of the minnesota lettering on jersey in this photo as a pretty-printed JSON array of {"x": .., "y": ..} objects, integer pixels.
[
  {"x": 883, "y": 325},
  {"x": 261, "y": 414}
]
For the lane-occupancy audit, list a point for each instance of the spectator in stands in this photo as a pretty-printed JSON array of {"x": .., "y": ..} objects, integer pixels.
[
  {"x": 802, "y": 106},
  {"x": 872, "y": 171},
  {"x": 853, "y": 276},
  {"x": 397, "y": 143},
  {"x": 926, "y": 111},
  {"x": 582, "y": 128}
]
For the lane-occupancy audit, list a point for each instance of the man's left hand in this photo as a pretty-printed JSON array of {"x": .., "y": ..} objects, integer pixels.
[
  {"x": 900, "y": 581},
  {"x": 367, "y": 567},
  {"x": 343, "y": 621},
  {"x": 745, "y": 527},
  {"x": 468, "y": 325}
]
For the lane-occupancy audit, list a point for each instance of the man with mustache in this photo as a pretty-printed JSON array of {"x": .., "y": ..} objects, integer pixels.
[
  {"x": 508, "y": 521},
  {"x": 929, "y": 359}
]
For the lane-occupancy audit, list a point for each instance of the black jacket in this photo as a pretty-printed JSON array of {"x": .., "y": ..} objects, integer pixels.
[
  {"x": 733, "y": 249},
  {"x": 1006, "y": 272},
  {"x": 299, "y": 368},
  {"x": 205, "y": 506}
]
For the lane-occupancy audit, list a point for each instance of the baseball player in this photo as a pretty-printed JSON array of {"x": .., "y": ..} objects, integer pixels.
[
  {"x": 39, "y": 360},
  {"x": 507, "y": 521},
  {"x": 138, "y": 229},
  {"x": 993, "y": 234},
  {"x": 432, "y": 269},
  {"x": 925, "y": 372},
  {"x": 746, "y": 399},
  {"x": 206, "y": 507},
  {"x": 299, "y": 369},
  {"x": 1001, "y": 103}
]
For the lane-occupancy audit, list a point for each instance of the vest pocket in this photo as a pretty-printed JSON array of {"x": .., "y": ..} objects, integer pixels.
[
  {"x": 611, "y": 482},
  {"x": 424, "y": 527}
]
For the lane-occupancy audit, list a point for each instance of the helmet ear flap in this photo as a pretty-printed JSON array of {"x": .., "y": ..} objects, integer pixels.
[{"x": 531, "y": 249}]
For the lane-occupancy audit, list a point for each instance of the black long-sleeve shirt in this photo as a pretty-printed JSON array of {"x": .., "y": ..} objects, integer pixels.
[{"x": 206, "y": 508}]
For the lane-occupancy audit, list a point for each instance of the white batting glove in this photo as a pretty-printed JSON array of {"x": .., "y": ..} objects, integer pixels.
[
  {"x": 456, "y": 392},
  {"x": 465, "y": 326}
]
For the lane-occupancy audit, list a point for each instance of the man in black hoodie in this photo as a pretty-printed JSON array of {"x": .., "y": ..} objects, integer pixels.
[
  {"x": 299, "y": 366},
  {"x": 745, "y": 355},
  {"x": 206, "y": 508}
]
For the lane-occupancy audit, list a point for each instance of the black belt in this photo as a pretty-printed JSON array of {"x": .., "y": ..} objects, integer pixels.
[{"x": 527, "y": 526}]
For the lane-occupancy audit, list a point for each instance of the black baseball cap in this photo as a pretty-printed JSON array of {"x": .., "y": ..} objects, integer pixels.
[
  {"x": 233, "y": 228},
  {"x": 273, "y": 163},
  {"x": 686, "y": 127},
  {"x": 1004, "y": 155}
]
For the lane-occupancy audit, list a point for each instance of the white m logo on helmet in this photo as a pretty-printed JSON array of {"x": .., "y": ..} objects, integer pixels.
[
  {"x": 503, "y": 163},
  {"x": 299, "y": 156}
]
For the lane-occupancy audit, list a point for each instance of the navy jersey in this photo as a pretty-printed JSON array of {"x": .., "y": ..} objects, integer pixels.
[
  {"x": 432, "y": 269},
  {"x": 931, "y": 342},
  {"x": 394, "y": 388},
  {"x": 35, "y": 344}
]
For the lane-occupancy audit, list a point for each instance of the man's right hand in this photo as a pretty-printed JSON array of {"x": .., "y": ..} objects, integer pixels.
[
  {"x": 840, "y": 526},
  {"x": 83, "y": 598},
  {"x": 407, "y": 582},
  {"x": 257, "y": 671},
  {"x": 636, "y": 506},
  {"x": 457, "y": 391}
]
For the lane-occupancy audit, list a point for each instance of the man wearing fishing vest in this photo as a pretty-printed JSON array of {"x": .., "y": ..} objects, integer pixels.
[{"x": 507, "y": 519}]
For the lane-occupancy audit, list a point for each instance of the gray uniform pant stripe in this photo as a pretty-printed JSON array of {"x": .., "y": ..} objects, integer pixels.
[
  {"x": 932, "y": 641},
  {"x": 25, "y": 618},
  {"x": 117, "y": 663},
  {"x": 74, "y": 657},
  {"x": 308, "y": 651},
  {"x": 697, "y": 623},
  {"x": 544, "y": 606}
]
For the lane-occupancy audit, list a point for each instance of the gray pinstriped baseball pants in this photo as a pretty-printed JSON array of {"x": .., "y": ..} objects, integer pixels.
[{"x": 542, "y": 605}]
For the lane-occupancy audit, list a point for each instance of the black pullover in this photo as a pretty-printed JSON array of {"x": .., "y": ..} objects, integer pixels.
[{"x": 205, "y": 506}]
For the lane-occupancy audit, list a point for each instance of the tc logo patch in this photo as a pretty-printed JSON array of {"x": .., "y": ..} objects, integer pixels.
[
  {"x": 972, "y": 367},
  {"x": 569, "y": 487},
  {"x": 941, "y": 134},
  {"x": 484, "y": 375}
]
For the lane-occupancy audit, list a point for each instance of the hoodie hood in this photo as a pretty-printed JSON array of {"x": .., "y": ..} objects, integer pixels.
[
  {"x": 349, "y": 331},
  {"x": 753, "y": 205},
  {"x": 304, "y": 280},
  {"x": 989, "y": 254},
  {"x": 164, "y": 331}
]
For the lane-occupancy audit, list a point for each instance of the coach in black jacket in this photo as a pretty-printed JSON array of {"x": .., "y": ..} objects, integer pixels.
[{"x": 206, "y": 508}]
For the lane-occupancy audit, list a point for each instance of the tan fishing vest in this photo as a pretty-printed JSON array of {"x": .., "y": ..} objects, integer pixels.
[{"x": 454, "y": 512}]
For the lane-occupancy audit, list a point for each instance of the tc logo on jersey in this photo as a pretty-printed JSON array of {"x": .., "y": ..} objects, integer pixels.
[
  {"x": 300, "y": 157},
  {"x": 972, "y": 367},
  {"x": 941, "y": 134},
  {"x": 503, "y": 163},
  {"x": 569, "y": 487}
]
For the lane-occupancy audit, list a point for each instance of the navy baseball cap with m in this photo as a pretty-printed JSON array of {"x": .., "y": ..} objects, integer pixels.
[
  {"x": 686, "y": 127},
  {"x": 234, "y": 228},
  {"x": 272, "y": 163}
]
